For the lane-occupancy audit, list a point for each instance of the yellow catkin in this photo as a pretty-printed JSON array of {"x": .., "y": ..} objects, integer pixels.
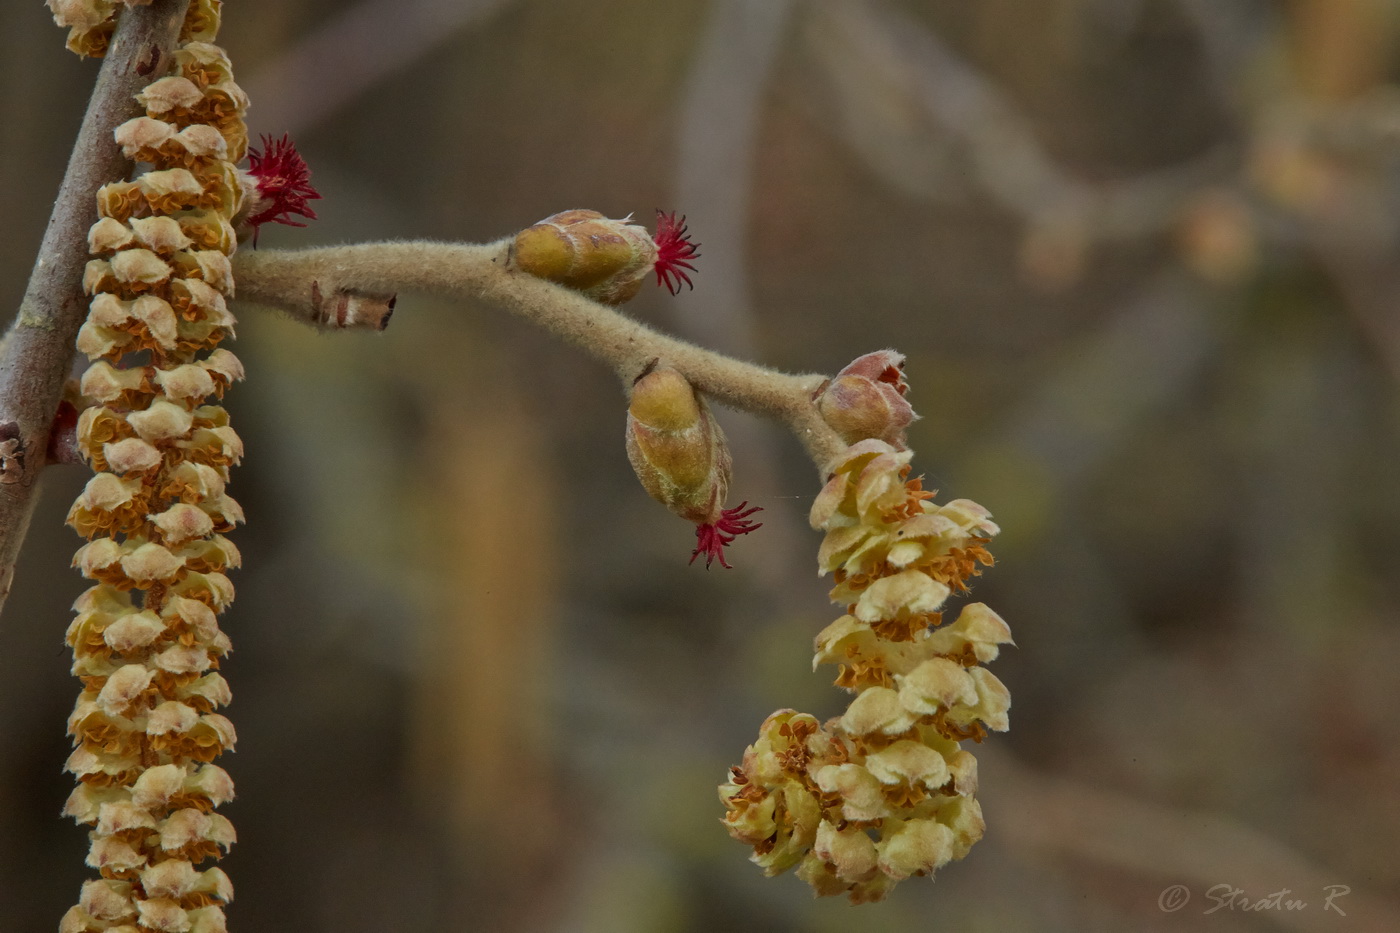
[
  {"x": 146, "y": 639},
  {"x": 885, "y": 790}
]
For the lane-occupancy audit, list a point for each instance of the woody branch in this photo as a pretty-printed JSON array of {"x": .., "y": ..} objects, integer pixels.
[{"x": 38, "y": 351}]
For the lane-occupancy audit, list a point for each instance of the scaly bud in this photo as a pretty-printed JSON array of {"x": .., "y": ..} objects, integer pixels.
[
  {"x": 678, "y": 451},
  {"x": 866, "y": 399},
  {"x": 676, "y": 447},
  {"x": 605, "y": 259}
]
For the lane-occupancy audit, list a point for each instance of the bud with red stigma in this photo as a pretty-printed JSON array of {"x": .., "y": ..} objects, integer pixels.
[
  {"x": 866, "y": 399},
  {"x": 604, "y": 258},
  {"x": 281, "y": 185},
  {"x": 679, "y": 453}
]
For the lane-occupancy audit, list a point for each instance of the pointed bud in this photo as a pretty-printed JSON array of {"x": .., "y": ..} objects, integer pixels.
[
  {"x": 866, "y": 400},
  {"x": 679, "y": 453},
  {"x": 605, "y": 259},
  {"x": 676, "y": 447}
]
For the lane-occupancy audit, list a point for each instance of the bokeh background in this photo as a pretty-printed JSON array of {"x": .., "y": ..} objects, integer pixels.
[{"x": 1142, "y": 255}]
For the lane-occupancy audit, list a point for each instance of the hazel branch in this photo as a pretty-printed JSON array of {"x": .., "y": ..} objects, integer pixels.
[
  {"x": 304, "y": 282},
  {"x": 38, "y": 350}
]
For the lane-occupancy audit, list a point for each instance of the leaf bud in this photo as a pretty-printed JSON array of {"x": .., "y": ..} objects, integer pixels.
[
  {"x": 605, "y": 259},
  {"x": 676, "y": 447},
  {"x": 679, "y": 453},
  {"x": 866, "y": 400}
]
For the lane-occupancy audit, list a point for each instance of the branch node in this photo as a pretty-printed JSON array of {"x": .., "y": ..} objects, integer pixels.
[
  {"x": 12, "y": 454},
  {"x": 347, "y": 308}
]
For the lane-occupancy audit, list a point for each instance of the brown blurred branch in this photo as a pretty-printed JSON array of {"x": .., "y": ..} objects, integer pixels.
[
  {"x": 720, "y": 127},
  {"x": 1368, "y": 284},
  {"x": 300, "y": 282},
  {"x": 1057, "y": 818},
  {"x": 355, "y": 50},
  {"x": 923, "y": 81},
  {"x": 38, "y": 351},
  {"x": 1137, "y": 364},
  {"x": 719, "y": 130}
]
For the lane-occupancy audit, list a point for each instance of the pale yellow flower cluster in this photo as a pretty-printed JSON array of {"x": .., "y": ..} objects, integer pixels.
[
  {"x": 91, "y": 22},
  {"x": 884, "y": 791},
  {"x": 146, "y": 641}
]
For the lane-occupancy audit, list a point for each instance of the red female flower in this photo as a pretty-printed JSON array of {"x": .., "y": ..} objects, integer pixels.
[
  {"x": 712, "y": 537},
  {"x": 283, "y": 184},
  {"x": 673, "y": 252}
]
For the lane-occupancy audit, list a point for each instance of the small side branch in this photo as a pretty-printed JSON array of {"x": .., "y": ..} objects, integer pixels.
[
  {"x": 303, "y": 283},
  {"x": 38, "y": 351}
]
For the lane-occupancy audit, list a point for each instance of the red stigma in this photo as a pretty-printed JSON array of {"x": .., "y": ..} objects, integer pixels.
[
  {"x": 673, "y": 254},
  {"x": 712, "y": 537},
  {"x": 894, "y": 375},
  {"x": 283, "y": 182}
]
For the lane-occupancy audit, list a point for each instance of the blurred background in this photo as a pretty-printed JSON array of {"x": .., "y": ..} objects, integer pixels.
[{"x": 1142, "y": 255}]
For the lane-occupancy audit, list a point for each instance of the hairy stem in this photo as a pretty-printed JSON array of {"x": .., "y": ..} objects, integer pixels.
[
  {"x": 38, "y": 351},
  {"x": 305, "y": 283}
]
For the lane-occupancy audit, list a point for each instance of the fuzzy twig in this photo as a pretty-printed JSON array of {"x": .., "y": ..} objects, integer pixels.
[
  {"x": 38, "y": 351},
  {"x": 302, "y": 282}
]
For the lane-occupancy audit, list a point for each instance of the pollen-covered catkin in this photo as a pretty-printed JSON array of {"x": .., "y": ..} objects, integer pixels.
[
  {"x": 885, "y": 790},
  {"x": 146, "y": 640}
]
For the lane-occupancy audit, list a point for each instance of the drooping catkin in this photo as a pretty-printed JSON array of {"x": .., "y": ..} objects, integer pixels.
[
  {"x": 146, "y": 640},
  {"x": 886, "y": 790}
]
